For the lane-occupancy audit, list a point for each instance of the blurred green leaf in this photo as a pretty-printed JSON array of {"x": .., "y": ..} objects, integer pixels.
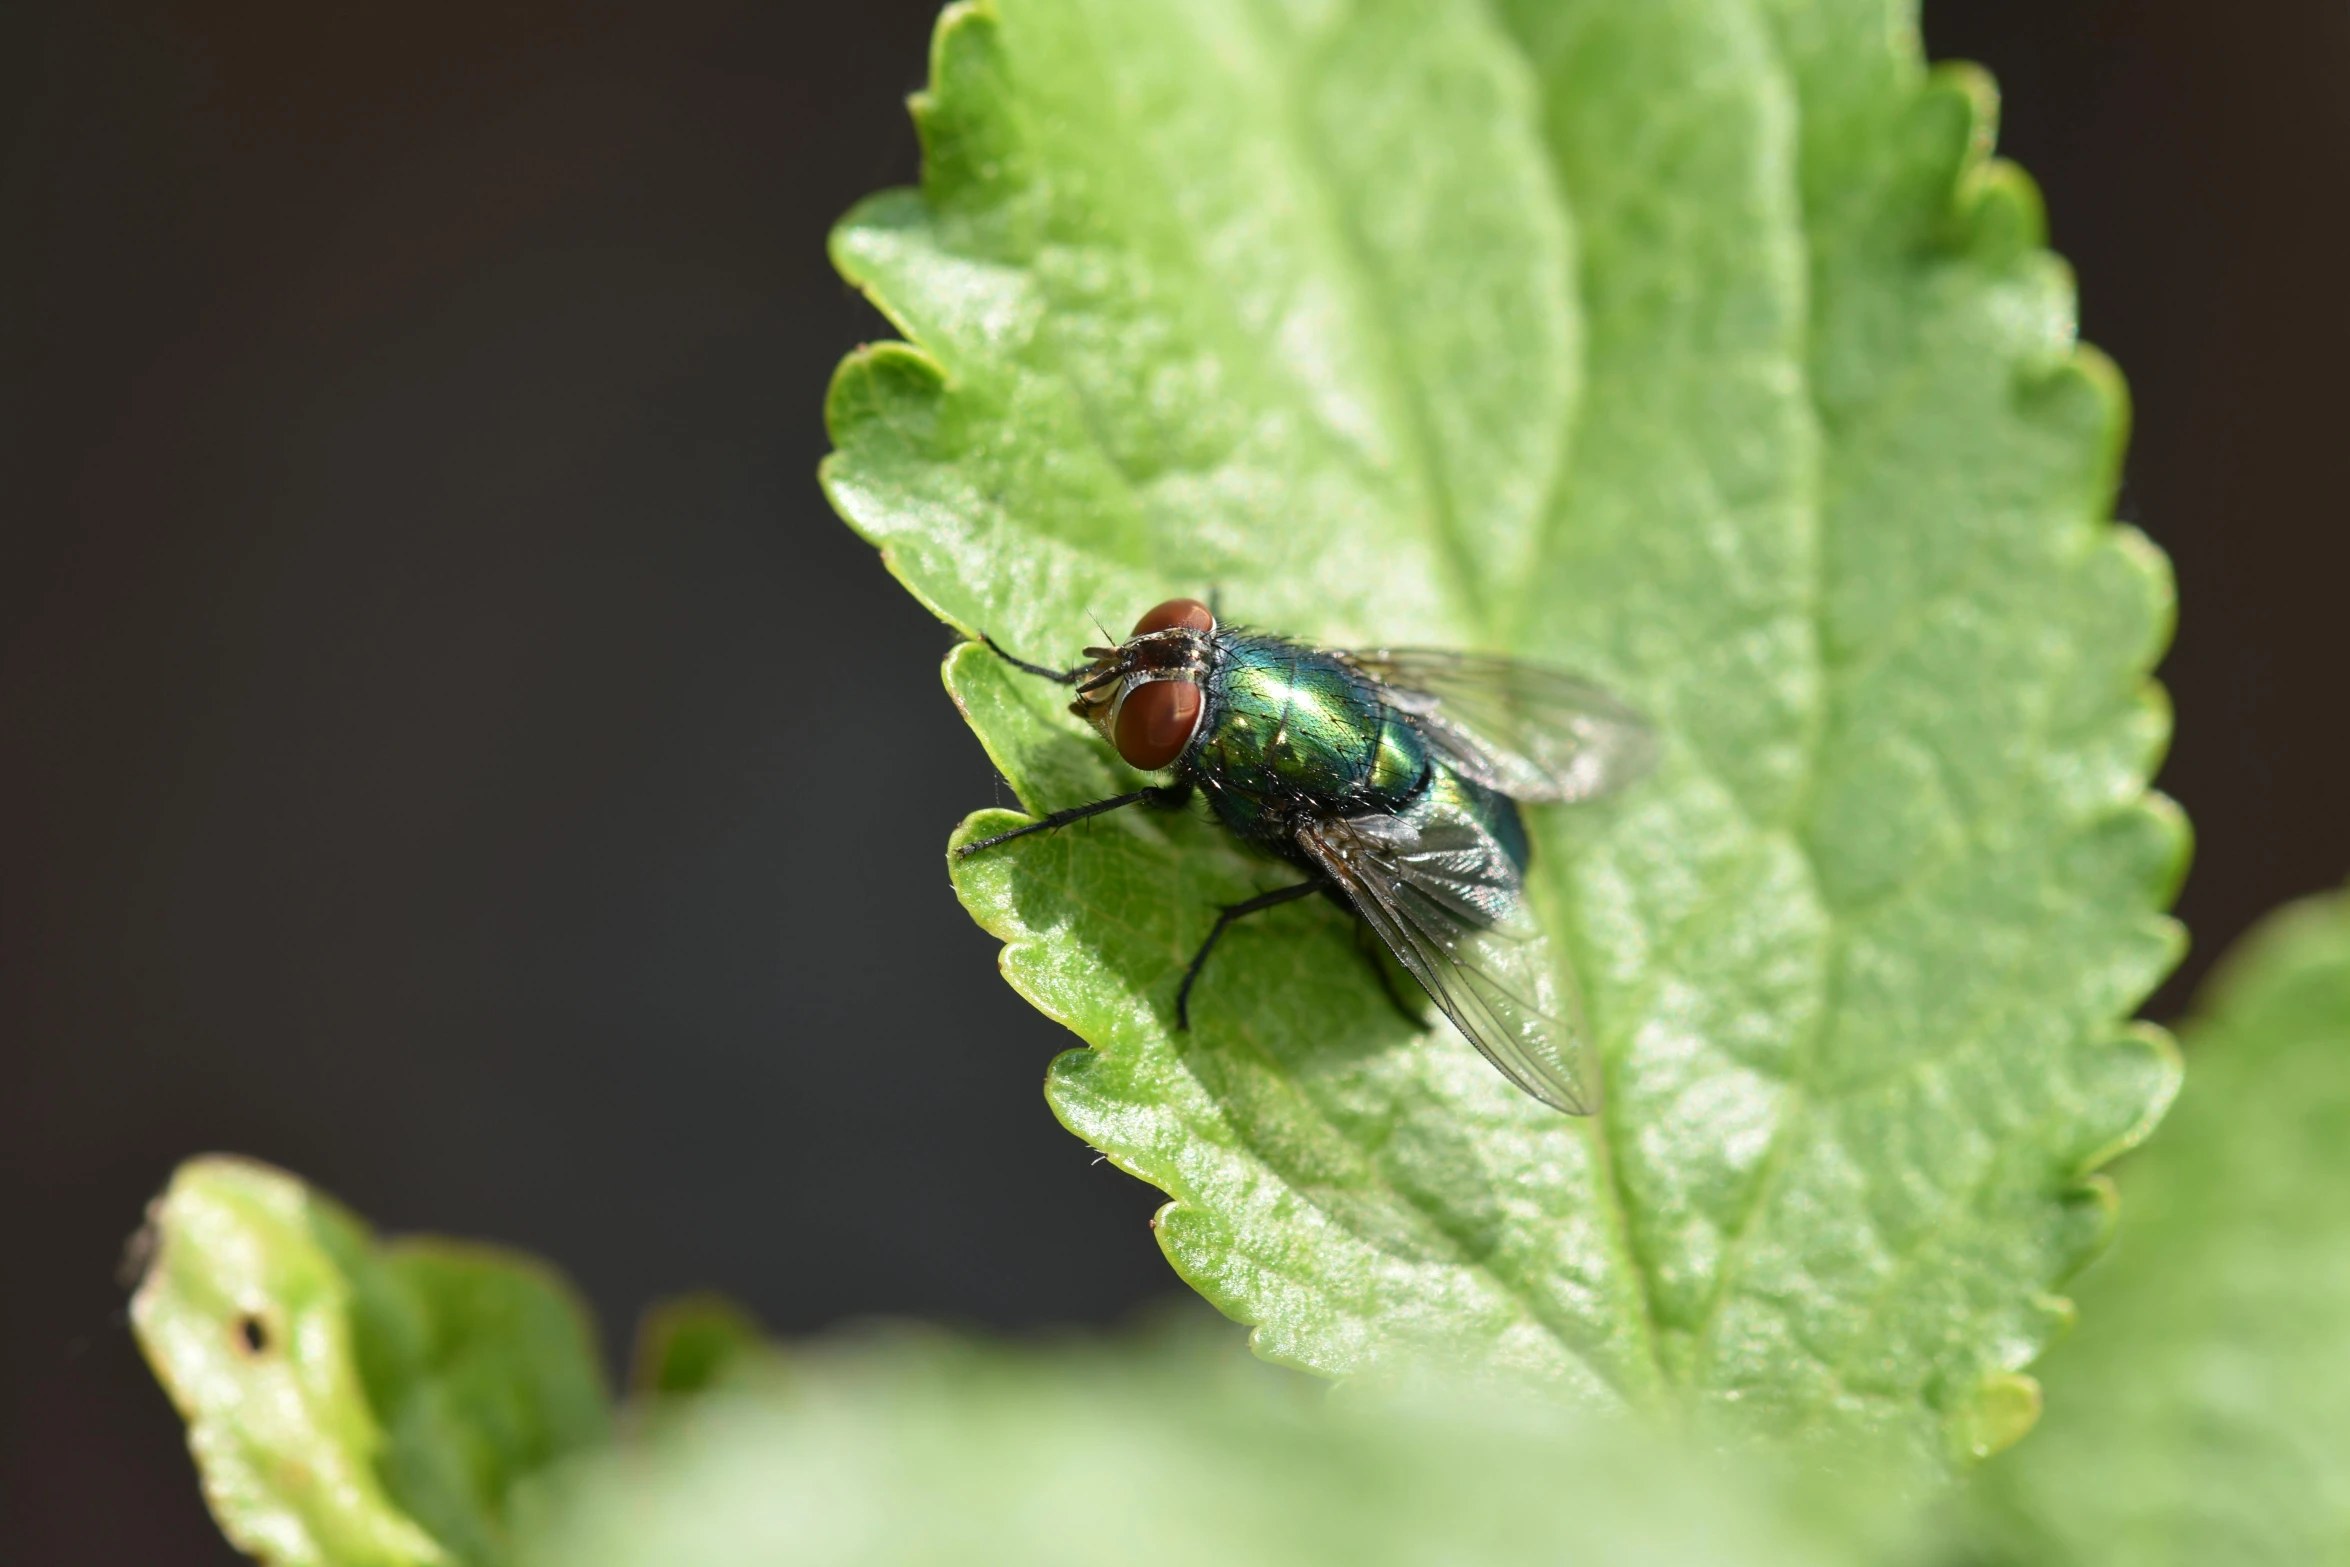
[
  {"x": 2202, "y": 1414},
  {"x": 349, "y": 1402},
  {"x": 925, "y": 1451},
  {"x": 1694, "y": 344},
  {"x": 695, "y": 1343}
]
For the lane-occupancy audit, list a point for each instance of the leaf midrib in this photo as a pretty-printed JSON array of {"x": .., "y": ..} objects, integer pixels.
[
  {"x": 1405, "y": 392},
  {"x": 1799, "y": 1089},
  {"x": 1398, "y": 363}
]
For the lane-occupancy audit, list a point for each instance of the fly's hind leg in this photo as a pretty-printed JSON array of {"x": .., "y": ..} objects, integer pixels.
[
  {"x": 1224, "y": 917},
  {"x": 1368, "y": 945}
]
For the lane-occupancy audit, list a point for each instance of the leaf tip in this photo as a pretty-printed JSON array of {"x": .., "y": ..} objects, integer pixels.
[
  {"x": 892, "y": 382},
  {"x": 2105, "y": 377},
  {"x": 1198, "y": 1244},
  {"x": 2090, "y": 1209},
  {"x": 975, "y": 877},
  {"x": 1975, "y": 92},
  {"x": 2001, "y": 214},
  {"x": 2144, "y": 1067},
  {"x": 1999, "y": 1412},
  {"x": 693, "y": 1343},
  {"x": 963, "y": 667},
  {"x": 2173, "y": 836},
  {"x": 961, "y": 147},
  {"x": 852, "y": 244}
]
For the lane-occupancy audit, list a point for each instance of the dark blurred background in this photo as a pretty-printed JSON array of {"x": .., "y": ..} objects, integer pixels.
[{"x": 451, "y": 749}]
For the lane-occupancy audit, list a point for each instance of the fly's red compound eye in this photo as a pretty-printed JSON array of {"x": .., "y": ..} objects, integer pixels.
[
  {"x": 1156, "y": 720},
  {"x": 1175, "y": 612}
]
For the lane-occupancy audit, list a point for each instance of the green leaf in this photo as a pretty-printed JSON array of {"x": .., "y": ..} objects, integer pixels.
[
  {"x": 695, "y": 1343},
  {"x": 1696, "y": 345},
  {"x": 922, "y": 1452},
  {"x": 2202, "y": 1414},
  {"x": 349, "y": 1402}
]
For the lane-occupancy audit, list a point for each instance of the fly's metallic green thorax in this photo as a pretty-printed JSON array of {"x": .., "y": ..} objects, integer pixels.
[
  {"x": 1291, "y": 728},
  {"x": 1393, "y": 779},
  {"x": 1292, "y": 733}
]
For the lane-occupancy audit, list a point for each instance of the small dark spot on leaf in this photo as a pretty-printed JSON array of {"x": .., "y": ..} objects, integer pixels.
[{"x": 253, "y": 1334}]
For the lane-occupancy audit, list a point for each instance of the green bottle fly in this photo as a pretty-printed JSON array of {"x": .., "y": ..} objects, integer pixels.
[{"x": 1392, "y": 779}]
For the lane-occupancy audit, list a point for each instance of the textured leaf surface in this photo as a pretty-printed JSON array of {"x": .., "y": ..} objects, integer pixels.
[
  {"x": 352, "y": 1403},
  {"x": 1692, "y": 344},
  {"x": 2202, "y": 1414},
  {"x": 921, "y": 1453}
]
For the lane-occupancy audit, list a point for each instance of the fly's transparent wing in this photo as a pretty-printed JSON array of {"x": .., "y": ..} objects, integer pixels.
[
  {"x": 1532, "y": 732},
  {"x": 1447, "y": 901}
]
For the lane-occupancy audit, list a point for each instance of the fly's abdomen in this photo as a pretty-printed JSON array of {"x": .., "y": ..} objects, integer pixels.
[{"x": 1449, "y": 795}]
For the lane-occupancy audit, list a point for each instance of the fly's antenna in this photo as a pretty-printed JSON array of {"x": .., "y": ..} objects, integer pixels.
[{"x": 1098, "y": 626}]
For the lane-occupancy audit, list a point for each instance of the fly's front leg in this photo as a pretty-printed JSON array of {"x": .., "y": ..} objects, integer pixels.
[
  {"x": 1168, "y": 797},
  {"x": 1059, "y": 677},
  {"x": 1224, "y": 917}
]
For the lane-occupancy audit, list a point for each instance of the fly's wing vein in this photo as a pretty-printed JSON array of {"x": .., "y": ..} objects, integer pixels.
[
  {"x": 1449, "y": 908},
  {"x": 1530, "y": 731}
]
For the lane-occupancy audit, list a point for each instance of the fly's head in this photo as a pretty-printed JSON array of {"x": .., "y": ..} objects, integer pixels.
[{"x": 1147, "y": 694}]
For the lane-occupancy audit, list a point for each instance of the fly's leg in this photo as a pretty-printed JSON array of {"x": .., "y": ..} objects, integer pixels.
[
  {"x": 1224, "y": 917},
  {"x": 1169, "y": 796},
  {"x": 1059, "y": 677},
  {"x": 1368, "y": 945}
]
